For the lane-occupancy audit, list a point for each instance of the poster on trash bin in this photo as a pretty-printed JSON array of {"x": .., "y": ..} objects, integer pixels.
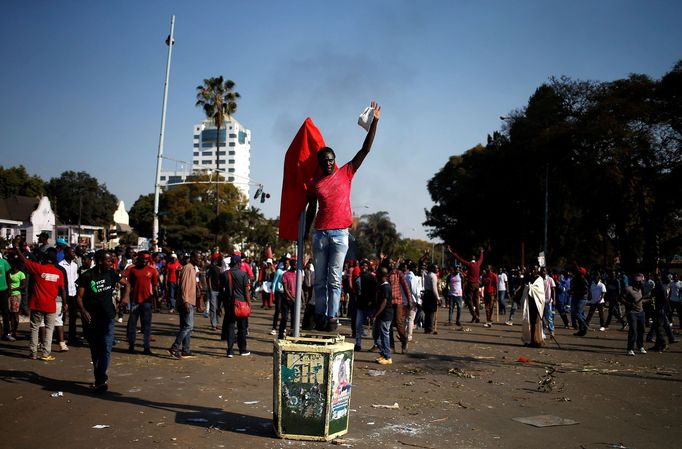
[
  {"x": 304, "y": 387},
  {"x": 341, "y": 387}
]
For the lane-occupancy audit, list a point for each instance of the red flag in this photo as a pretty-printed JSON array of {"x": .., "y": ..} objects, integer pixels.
[{"x": 300, "y": 165}]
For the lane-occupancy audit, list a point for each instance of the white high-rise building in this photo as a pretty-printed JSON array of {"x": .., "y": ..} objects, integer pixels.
[{"x": 233, "y": 158}]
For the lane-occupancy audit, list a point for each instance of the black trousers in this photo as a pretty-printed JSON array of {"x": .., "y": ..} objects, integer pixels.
[{"x": 239, "y": 337}]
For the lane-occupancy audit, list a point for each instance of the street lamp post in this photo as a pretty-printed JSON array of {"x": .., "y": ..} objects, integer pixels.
[{"x": 159, "y": 158}]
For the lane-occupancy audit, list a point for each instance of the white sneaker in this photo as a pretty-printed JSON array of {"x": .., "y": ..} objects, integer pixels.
[
  {"x": 120, "y": 320},
  {"x": 602, "y": 329},
  {"x": 630, "y": 352},
  {"x": 642, "y": 350},
  {"x": 273, "y": 332},
  {"x": 244, "y": 354},
  {"x": 509, "y": 323},
  {"x": 63, "y": 347}
]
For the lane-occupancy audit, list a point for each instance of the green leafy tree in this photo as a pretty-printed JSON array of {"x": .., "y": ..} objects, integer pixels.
[
  {"x": 77, "y": 195},
  {"x": 376, "y": 234},
  {"x": 141, "y": 214},
  {"x": 16, "y": 181}
]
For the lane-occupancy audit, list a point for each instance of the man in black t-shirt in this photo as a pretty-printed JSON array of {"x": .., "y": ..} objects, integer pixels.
[
  {"x": 95, "y": 301},
  {"x": 213, "y": 285},
  {"x": 383, "y": 316},
  {"x": 236, "y": 286}
]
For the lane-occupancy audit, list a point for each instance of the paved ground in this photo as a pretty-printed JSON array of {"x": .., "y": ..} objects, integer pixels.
[{"x": 460, "y": 388}]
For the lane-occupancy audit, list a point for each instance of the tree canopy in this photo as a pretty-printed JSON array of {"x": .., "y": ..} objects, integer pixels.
[
  {"x": 610, "y": 155},
  {"x": 68, "y": 190},
  {"x": 16, "y": 181}
]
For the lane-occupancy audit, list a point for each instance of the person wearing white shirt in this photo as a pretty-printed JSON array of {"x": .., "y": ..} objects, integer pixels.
[
  {"x": 502, "y": 286},
  {"x": 71, "y": 269},
  {"x": 597, "y": 292},
  {"x": 455, "y": 295},
  {"x": 416, "y": 287}
]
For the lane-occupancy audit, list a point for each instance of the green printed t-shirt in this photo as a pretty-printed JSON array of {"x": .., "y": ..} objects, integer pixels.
[
  {"x": 4, "y": 269},
  {"x": 15, "y": 279}
]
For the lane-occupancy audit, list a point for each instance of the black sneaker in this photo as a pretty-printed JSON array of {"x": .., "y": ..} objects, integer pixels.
[
  {"x": 187, "y": 355},
  {"x": 357, "y": 348},
  {"x": 332, "y": 326},
  {"x": 131, "y": 349},
  {"x": 100, "y": 388},
  {"x": 147, "y": 351},
  {"x": 174, "y": 353}
]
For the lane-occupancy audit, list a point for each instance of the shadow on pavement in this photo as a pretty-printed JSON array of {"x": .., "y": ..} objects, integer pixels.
[{"x": 187, "y": 414}]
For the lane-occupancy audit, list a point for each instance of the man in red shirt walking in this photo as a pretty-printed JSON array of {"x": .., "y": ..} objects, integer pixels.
[
  {"x": 144, "y": 287},
  {"x": 48, "y": 283},
  {"x": 489, "y": 294},
  {"x": 331, "y": 191}
]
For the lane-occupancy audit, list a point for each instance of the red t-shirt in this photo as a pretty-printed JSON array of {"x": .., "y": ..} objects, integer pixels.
[
  {"x": 172, "y": 271},
  {"x": 289, "y": 282},
  {"x": 490, "y": 283},
  {"x": 142, "y": 283},
  {"x": 47, "y": 280},
  {"x": 333, "y": 199}
]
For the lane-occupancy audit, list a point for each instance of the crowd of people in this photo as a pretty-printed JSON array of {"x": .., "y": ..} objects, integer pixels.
[{"x": 384, "y": 299}]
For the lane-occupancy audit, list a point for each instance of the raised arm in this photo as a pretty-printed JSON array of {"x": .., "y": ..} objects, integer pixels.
[
  {"x": 367, "y": 144},
  {"x": 457, "y": 256}
]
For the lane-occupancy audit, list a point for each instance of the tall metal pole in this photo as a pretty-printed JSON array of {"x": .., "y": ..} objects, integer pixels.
[
  {"x": 299, "y": 275},
  {"x": 544, "y": 248},
  {"x": 159, "y": 157}
]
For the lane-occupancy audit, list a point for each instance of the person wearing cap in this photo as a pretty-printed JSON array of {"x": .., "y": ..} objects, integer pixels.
[
  {"x": 43, "y": 245},
  {"x": 144, "y": 289},
  {"x": 171, "y": 275},
  {"x": 579, "y": 291},
  {"x": 60, "y": 243},
  {"x": 331, "y": 191},
  {"x": 48, "y": 283}
]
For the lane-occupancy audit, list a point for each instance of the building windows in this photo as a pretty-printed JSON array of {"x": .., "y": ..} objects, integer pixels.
[
  {"x": 207, "y": 153},
  {"x": 233, "y": 136},
  {"x": 162, "y": 178},
  {"x": 206, "y": 162},
  {"x": 231, "y": 161},
  {"x": 242, "y": 137},
  {"x": 221, "y": 153},
  {"x": 174, "y": 179},
  {"x": 196, "y": 136},
  {"x": 196, "y": 145},
  {"x": 231, "y": 144},
  {"x": 211, "y": 144},
  {"x": 230, "y": 178},
  {"x": 221, "y": 161},
  {"x": 232, "y": 153},
  {"x": 196, "y": 153},
  {"x": 196, "y": 162},
  {"x": 230, "y": 170},
  {"x": 212, "y": 134}
]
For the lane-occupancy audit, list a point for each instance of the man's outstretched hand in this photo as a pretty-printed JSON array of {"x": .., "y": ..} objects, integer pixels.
[{"x": 377, "y": 109}]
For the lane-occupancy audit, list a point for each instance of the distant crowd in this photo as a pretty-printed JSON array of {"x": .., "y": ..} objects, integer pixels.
[{"x": 76, "y": 297}]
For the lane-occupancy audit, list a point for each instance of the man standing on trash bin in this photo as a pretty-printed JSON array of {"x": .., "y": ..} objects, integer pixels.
[{"x": 330, "y": 240}]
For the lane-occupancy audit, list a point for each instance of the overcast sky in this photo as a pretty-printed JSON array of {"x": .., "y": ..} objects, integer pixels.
[{"x": 81, "y": 83}]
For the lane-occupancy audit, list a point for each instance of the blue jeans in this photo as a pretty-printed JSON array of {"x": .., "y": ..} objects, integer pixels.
[
  {"x": 384, "y": 328},
  {"x": 100, "y": 335},
  {"x": 636, "y": 330},
  {"x": 213, "y": 308},
  {"x": 455, "y": 301},
  {"x": 144, "y": 313},
  {"x": 172, "y": 289},
  {"x": 501, "y": 296},
  {"x": 548, "y": 316},
  {"x": 329, "y": 251},
  {"x": 360, "y": 319},
  {"x": 580, "y": 304},
  {"x": 186, "y": 326}
]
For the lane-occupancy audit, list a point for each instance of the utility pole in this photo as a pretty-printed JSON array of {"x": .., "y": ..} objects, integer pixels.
[{"x": 159, "y": 157}]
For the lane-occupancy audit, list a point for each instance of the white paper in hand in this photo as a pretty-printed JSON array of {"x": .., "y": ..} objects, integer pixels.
[{"x": 366, "y": 118}]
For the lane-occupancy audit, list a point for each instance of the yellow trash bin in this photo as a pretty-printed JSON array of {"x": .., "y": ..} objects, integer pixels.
[{"x": 313, "y": 376}]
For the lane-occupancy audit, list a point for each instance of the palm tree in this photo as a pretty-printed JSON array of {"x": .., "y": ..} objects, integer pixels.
[{"x": 219, "y": 100}]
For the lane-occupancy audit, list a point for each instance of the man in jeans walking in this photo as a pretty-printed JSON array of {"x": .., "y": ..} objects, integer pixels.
[
  {"x": 187, "y": 287},
  {"x": 331, "y": 191},
  {"x": 579, "y": 288},
  {"x": 144, "y": 290}
]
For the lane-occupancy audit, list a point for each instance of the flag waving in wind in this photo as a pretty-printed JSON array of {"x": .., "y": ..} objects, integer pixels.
[{"x": 300, "y": 166}]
